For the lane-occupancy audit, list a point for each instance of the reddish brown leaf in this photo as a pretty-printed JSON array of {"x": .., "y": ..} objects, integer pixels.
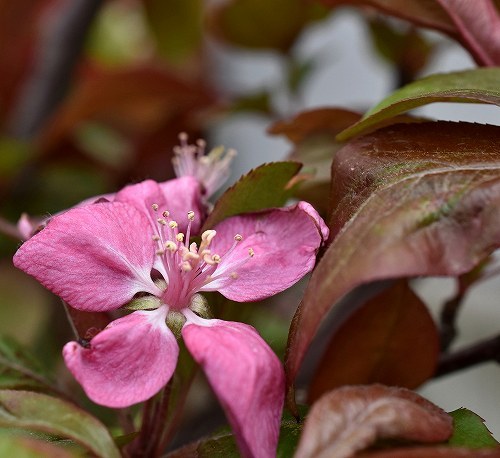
[
  {"x": 392, "y": 340},
  {"x": 407, "y": 200},
  {"x": 432, "y": 452},
  {"x": 479, "y": 26},
  {"x": 426, "y": 13},
  {"x": 351, "y": 418}
]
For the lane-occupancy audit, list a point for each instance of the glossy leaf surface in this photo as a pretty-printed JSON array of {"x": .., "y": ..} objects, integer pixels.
[
  {"x": 39, "y": 412},
  {"x": 408, "y": 200},
  {"x": 351, "y": 418},
  {"x": 392, "y": 339},
  {"x": 476, "y": 86}
]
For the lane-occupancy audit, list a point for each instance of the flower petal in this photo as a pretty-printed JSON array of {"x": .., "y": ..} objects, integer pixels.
[
  {"x": 284, "y": 243},
  {"x": 184, "y": 195},
  {"x": 94, "y": 257},
  {"x": 128, "y": 362},
  {"x": 246, "y": 376}
]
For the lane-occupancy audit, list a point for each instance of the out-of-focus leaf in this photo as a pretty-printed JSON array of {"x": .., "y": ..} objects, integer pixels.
[
  {"x": 313, "y": 134},
  {"x": 39, "y": 412},
  {"x": 392, "y": 340},
  {"x": 18, "y": 368},
  {"x": 13, "y": 155},
  {"x": 16, "y": 446},
  {"x": 479, "y": 26},
  {"x": 407, "y": 49},
  {"x": 470, "y": 431},
  {"x": 176, "y": 27},
  {"x": 256, "y": 23},
  {"x": 262, "y": 187},
  {"x": 298, "y": 72},
  {"x": 351, "y": 418},
  {"x": 259, "y": 102},
  {"x": 431, "y": 452},
  {"x": 408, "y": 200},
  {"x": 136, "y": 101},
  {"x": 427, "y": 13},
  {"x": 474, "y": 86}
]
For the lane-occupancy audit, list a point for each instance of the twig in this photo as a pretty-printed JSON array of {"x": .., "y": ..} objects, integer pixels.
[
  {"x": 448, "y": 318},
  {"x": 487, "y": 350},
  {"x": 57, "y": 55},
  {"x": 9, "y": 229}
]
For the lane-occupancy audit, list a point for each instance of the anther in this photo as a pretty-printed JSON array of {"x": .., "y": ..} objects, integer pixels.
[
  {"x": 160, "y": 252},
  {"x": 166, "y": 213},
  {"x": 216, "y": 258},
  {"x": 186, "y": 267},
  {"x": 207, "y": 236},
  {"x": 233, "y": 275},
  {"x": 155, "y": 238},
  {"x": 161, "y": 221},
  {"x": 179, "y": 237},
  {"x": 171, "y": 246},
  {"x": 191, "y": 215},
  {"x": 154, "y": 207},
  {"x": 251, "y": 252},
  {"x": 172, "y": 224},
  {"x": 238, "y": 237}
]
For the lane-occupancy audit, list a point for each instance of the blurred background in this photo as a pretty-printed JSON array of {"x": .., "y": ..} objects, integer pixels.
[{"x": 94, "y": 93}]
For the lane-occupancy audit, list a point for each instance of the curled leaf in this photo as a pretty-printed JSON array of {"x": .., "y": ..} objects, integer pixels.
[{"x": 351, "y": 418}]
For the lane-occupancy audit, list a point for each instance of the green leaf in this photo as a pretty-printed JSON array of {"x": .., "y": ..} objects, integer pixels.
[
  {"x": 39, "y": 412},
  {"x": 470, "y": 430},
  {"x": 261, "y": 188},
  {"x": 18, "y": 368},
  {"x": 473, "y": 86},
  {"x": 19, "y": 446}
]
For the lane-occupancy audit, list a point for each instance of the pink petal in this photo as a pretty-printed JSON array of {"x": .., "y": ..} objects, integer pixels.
[
  {"x": 478, "y": 22},
  {"x": 285, "y": 242},
  {"x": 94, "y": 257},
  {"x": 246, "y": 376},
  {"x": 311, "y": 211},
  {"x": 183, "y": 195},
  {"x": 128, "y": 362}
]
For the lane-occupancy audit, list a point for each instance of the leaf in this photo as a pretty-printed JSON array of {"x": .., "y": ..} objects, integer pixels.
[
  {"x": 474, "y": 86},
  {"x": 470, "y": 431},
  {"x": 392, "y": 339},
  {"x": 28, "y": 447},
  {"x": 255, "y": 24},
  {"x": 479, "y": 27},
  {"x": 261, "y": 188},
  {"x": 176, "y": 27},
  {"x": 18, "y": 368},
  {"x": 351, "y": 418},
  {"x": 431, "y": 452},
  {"x": 39, "y": 412},
  {"x": 426, "y": 13},
  {"x": 409, "y": 200}
]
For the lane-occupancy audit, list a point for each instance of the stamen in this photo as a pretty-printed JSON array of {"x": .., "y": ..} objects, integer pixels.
[
  {"x": 160, "y": 252},
  {"x": 154, "y": 207},
  {"x": 186, "y": 267},
  {"x": 172, "y": 224},
  {"x": 251, "y": 252},
  {"x": 216, "y": 258},
  {"x": 161, "y": 221},
  {"x": 171, "y": 246},
  {"x": 238, "y": 237},
  {"x": 155, "y": 238},
  {"x": 179, "y": 237},
  {"x": 166, "y": 213},
  {"x": 191, "y": 215},
  {"x": 233, "y": 275}
]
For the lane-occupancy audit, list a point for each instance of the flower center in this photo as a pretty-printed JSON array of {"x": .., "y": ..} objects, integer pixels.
[{"x": 187, "y": 267}]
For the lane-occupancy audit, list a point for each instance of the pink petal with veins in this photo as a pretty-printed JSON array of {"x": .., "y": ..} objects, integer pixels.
[
  {"x": 478, "y": 22},
  {"x": 285, "y": 242},
  {"x": 246, "y": 376},
  {"x": 311, "y": 211},
  {"x": 94, "y": 257},
  {"x": 128, "y": 362}
]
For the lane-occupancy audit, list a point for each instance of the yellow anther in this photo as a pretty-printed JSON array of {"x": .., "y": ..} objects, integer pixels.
[
  {"x": 251, "y": 252},
  {"x": 171, "y": 246},
  {"x": 161, "y": 221},
  {"x": 172, "y": 224},
  {"x": 233, "y": 275},
  {"x": 179, "y": 237},
  {"x": 191, "y": 215},
  {"x": 160, "y": 252},
  {"x": 154, "y": 207},
  {"x": 166, "y": 213},
  {"x": 216, "y": 258},
  {"x": 238, "y": 237}
]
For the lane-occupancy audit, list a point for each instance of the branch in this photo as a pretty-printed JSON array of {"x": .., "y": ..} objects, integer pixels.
[
  {"x": 448, "y": 318},
  {"x": 58, "y": 52},
  {"x": 487, "y": 350}
]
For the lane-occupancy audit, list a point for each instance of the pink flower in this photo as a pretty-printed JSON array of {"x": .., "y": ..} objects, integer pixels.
[{"x": 130, "y": 250}]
